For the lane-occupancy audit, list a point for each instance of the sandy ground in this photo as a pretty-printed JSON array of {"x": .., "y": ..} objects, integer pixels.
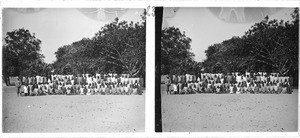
[
  {"x": 77, "y": 113},
  {"x": 230, "y": 113}
]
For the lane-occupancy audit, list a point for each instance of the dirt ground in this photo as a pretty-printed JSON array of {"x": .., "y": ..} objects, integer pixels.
[
  {"x": 75, "y": 113},
  {"x": 230, "y": 112}
]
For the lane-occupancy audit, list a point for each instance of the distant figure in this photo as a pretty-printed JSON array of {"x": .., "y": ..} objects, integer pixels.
[
  {"x": 18, "y": 85},
  {"x": 168, "y": 84}
]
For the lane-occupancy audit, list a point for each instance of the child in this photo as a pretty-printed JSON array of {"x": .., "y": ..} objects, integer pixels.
[
  {"x": 184, "y": 90},
  {"x": 175, "y": 90},
  {"x": 134, "y": 90},
  {"x": 96, "y": 92},
  {"x": 85, "y": 90},
  {"x": 279, "y": 88},
  {"x": 125, "y": 89},
  {"x": 82, "y": 90},
  {"x": 275, "y": 88},
  {"x": 68, "y": 91},
  {"x": 239, "y": 89},
  {"x": 130, "y": 89},
  {"x": 284, "y": 89},
  {"x": 103, "y": 88},
  {"x": 89, "y": 90},
  {"x": 231, "y": 89},
  {"x": 25, "y": 90},
  {"x": 30, "y": 88},
  {"x": 113, "y": 90},
  {"x": 263, "y": 88},
  {"x": 171, "y": 89},
  {"x": 59, "y": 89},
  {"x": 218, "y": 90},
  {"x": 35, "y": 89},
  {"x": 234, "y": 89},
  {"x": 256, "y": 89}
]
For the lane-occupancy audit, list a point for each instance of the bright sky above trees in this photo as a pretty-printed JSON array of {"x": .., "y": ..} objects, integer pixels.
[
  {"x": 205, "y": 28},
  {"x": 58, "y": 27}
]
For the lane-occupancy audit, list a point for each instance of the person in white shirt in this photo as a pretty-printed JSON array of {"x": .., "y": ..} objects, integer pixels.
[
  {"x": 25, "y": 89},
  {"x": 126, "y": 88},
  {"x": 231, "y": 89},
  {"x": 82, "y": 90},
  {"x": 175, "y": 90}
]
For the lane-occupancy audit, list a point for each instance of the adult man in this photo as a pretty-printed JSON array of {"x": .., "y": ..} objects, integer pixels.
[
  {"x": 18, "y": 85},
  {"x": 168, "y": 82}
]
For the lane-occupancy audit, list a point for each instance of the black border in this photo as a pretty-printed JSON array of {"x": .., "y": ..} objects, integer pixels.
[{"x": 158, "y": 25}]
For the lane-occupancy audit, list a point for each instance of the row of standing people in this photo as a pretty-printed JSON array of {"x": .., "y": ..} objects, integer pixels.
[
  {"x": 229, "y": 83},
  {"x": 81, "y": 79},
  {"x": 83, "y": 85}
]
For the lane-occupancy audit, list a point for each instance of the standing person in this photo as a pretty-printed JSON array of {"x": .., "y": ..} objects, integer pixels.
[
  {"x": 79, "y": 79},
  {"x": 170, "y": 89},
  {"x": 168, "y": 82},
  {"x": 229, "y": 78},
  {"x": 30, "y": 89},
  {"x": 18, "y": 85},
  {"x": 179, "y": 87},
  {"x": 279, "y": 88}
]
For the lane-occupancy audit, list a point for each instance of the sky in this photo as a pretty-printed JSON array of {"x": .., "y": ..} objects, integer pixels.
[
  {"x": 207, "y": 26},
  {"x": 59, "y": 27}
]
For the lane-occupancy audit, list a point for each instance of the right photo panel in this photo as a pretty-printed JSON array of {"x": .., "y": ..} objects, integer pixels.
[{"x": 227, "y": 69}]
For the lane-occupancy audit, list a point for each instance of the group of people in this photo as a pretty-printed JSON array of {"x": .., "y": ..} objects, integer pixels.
[
  {"x": 82, "y": 84},
  {"x": 232, "y": 83}
]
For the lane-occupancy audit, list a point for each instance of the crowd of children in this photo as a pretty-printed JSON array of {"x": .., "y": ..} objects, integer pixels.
[
  {"x": 233, "y": 83},
  {"x": 83, "y": 84}
]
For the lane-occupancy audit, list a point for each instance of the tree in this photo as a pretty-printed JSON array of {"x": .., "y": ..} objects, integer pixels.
[
  {"x": 176, "y": 57},
  {"x": 269, "y": 46},
  {"x": 21, "y": 54},
  {"x": 229, "y": 56},
  {"x": 122, "y": 46},
  {"x": 119, "y": 47},
  {"x": 274, "y": 44},
  {"x": 76, "y": 58}
]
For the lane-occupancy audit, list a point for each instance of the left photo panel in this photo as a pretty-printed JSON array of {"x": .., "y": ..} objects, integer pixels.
[{"x": 73, "y": 70}]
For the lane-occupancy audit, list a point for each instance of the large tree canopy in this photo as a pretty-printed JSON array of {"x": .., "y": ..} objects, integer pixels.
[
  {"x": 122, "y": 45},
  {"x": 176, "y": 57},
  {"x": 119, "y": 47},
  {"x": 270, "y": 46},
  {"x": 76, "y": 58},
  {"x": 21, "y": 54}
]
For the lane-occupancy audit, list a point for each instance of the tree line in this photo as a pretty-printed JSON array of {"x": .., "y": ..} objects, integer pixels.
[
  {"x": 268, "y": 46},
  {"x": 118, "y": 47}
]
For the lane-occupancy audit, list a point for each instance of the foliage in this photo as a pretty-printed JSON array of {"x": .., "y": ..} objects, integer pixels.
[
  {"x": 21, "y": 54},
  {"x": 270, "y": 46},
  {"x": 176, "y": 57},
  {"x": 119, "y": 47},
  {"x": 76, "y": 58}
]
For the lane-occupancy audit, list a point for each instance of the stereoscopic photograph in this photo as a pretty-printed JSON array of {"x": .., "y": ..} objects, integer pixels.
[
  {"x": 73, "y": 70},
  {"x": 227, "y": 69}
]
